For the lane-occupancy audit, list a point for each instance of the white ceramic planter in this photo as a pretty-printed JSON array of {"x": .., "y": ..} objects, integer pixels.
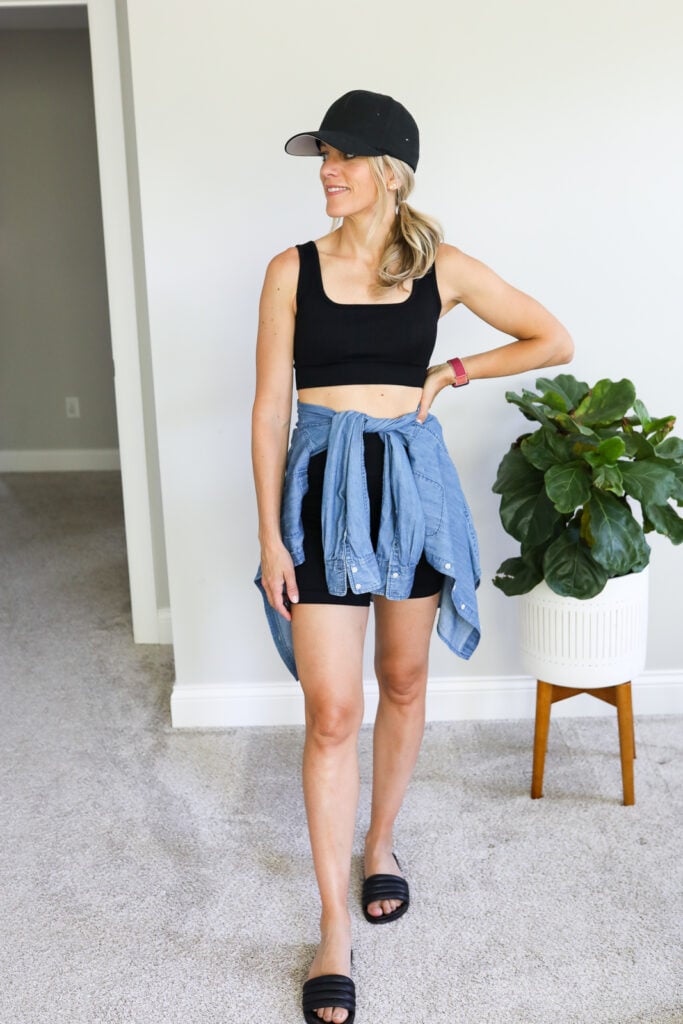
[{"x": 598, "y": 642}]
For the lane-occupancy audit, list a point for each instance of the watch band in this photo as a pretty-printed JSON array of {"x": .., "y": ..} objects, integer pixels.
[{"x": 460, "y": 372}]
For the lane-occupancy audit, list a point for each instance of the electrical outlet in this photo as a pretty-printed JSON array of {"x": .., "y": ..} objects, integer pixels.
[{"x": 73, "y": 409}]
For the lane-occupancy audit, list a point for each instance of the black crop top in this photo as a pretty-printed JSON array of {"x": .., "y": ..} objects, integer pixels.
[{"x": 361, "y": 343}]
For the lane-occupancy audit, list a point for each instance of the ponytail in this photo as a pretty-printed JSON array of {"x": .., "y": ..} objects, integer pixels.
[{"x": 414, "y": 238}]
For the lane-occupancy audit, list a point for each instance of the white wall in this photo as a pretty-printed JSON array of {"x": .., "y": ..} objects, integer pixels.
[{"x": 551, "y": 149}]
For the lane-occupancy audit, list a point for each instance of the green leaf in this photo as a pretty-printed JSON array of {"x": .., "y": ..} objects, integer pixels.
[
  {"x": 584, "y": 523},
  {"x": 666, "y": 521},
  {"x": 513, "y": 468},
  {"x": 677, "y": 490},
  {"x": 618, "y": 541},
  {"x": 607, "y": 403},
  {"x": 658, "y": 429},
  {"x": 518, "y": 576},
  {"x": 525, "y": 510},
  {"x": 528, "y": 404},
  {"x": 609, "y": 450},
  {"x": 608, "y": 478},
  {"x": 567, "y": 423},
  {"x": 648, "y": 480},
  {"x": 568, "y": 486},
  {"x": 528, "y": 515},
  {"x": 569, "y": 388},
  {"x": 672, "y": 448},
  {"x": 540, "y": 449},
  {"x": 553, "y": 399},
  {"x": 569, "y": 568},
  {"x": 642, "y": 415},
  {"x": 637, "y": 447}
]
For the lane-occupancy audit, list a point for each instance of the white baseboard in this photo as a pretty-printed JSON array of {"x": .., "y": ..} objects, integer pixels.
[
  {"x": 226, "y": 705},
  {"x": 59, "y": 460}
]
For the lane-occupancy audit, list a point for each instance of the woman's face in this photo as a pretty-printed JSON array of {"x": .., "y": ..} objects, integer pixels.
[{"x": 347, "y": 181}]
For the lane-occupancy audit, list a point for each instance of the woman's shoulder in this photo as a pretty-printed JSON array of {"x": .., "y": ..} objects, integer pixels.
[
  {"x": 457, "y": 271},
  {"x": 285, "y": 260},
  {"x": 449, "y": 256},
  {"x": 283, "y": 269}
]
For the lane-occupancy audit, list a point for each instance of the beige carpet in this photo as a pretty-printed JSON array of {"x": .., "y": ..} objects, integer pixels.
[{"x": 162, "y": 877}]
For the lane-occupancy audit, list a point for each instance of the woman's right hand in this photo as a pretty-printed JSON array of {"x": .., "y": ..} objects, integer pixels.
[{"x": 278, "y": 578}]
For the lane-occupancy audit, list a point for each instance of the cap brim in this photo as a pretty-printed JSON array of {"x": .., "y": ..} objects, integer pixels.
[{"x": 306, "y": 144}]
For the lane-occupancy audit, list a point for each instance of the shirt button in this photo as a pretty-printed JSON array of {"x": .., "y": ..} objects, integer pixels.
[
  {"x": 395, "y": 575},
  {"x": 354, "y": 568},
  {"x": 447, "y": 565},
  {"x": 358, "y": 588},
  {"x": 462, "y": 607}
]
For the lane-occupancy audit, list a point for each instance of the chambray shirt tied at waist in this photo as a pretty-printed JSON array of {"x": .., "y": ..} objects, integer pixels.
[{"x": 423, "y": 508}]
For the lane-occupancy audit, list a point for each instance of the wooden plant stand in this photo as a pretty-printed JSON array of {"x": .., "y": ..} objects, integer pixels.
[{"x": 618, "y": 696}]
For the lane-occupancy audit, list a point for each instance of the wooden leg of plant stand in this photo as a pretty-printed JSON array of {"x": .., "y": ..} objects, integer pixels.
[
  {"x": 626, "y": 742},
  {"x": 544, "y": 693}
]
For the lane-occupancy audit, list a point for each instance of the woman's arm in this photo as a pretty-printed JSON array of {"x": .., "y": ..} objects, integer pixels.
[
  {"x": 540, "y": 338},
  {"x": 271, "y": 416}
]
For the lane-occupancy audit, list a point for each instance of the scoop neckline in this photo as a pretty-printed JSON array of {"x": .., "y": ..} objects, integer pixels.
[{"x": 354, "y": 305}]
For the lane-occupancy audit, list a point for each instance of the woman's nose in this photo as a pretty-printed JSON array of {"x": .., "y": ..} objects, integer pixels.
[{"x": 331, "y": 165}]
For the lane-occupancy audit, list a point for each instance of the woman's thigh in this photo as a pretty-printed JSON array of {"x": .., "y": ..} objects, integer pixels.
[
  {"x": 403, "y": 631},
  {"x": 328, "y": 648}
]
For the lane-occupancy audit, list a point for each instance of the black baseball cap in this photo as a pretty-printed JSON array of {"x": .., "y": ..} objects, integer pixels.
[{"x": 365, "y": 124}]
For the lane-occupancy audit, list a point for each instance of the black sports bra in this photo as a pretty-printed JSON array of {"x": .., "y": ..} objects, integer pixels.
[{"x": 361, "y": 343}]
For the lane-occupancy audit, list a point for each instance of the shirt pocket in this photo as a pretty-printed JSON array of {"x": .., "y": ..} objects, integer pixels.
[{"x": 432, "y": 499}]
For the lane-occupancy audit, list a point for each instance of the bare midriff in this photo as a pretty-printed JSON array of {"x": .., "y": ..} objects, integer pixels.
[{"x": 378, "y": 400}]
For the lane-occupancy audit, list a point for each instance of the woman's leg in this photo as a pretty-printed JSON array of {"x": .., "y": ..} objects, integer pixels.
[
  {"x": 403, "y": 631},
  {"x": 328, "y": 646}
]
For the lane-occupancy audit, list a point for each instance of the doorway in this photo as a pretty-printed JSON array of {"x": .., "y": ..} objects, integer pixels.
[{"x": 75, "y": 278}]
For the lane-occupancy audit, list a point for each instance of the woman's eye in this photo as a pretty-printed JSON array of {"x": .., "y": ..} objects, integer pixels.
[{"x": 347, "y": 156}]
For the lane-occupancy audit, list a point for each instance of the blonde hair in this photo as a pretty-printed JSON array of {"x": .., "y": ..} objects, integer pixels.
[{"x": 413, "y": 238}]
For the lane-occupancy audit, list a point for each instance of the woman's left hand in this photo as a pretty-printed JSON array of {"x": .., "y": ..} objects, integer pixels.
[{"x": 438, "y": 377}]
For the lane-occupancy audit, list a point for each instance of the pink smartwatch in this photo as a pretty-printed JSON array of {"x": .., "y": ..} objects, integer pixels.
[{"x": 460, "y": 372}]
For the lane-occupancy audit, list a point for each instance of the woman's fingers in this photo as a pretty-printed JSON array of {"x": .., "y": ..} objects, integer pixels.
[
  {"x": 425, "y": 403},
  {"x": 438, "y": 377},
  {"x": 429, "y": 393},
  {"x": 291, "y": 588},
  {"x": 279, "y": 600},
  {"x": 279, "y": 581}
]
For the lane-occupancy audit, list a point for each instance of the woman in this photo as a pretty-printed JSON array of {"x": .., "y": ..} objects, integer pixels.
[{"x": 361, "y": 514}]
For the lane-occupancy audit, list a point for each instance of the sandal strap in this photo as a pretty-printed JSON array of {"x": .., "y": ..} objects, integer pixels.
[
  {"x": 385, "y": 887},
  {"x": 329, "y": 990}
]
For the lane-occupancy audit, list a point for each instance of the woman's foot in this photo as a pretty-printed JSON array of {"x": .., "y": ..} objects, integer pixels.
[
  {"x": 380, "y": 860},
  {"x": 333, "y": 957}
]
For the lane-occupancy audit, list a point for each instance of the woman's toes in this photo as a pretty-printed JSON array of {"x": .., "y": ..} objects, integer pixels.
[{"x": 339, "y": 1016}]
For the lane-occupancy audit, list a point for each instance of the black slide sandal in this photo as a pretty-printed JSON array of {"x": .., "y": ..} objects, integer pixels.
[
  {"x": 385, "y": 887},
  {"x": 329, "y": 990}
]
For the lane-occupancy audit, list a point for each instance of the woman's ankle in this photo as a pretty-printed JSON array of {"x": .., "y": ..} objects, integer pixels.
[
  {"x": 335, "y": 919},
  {"x": 380, "y": 841}
]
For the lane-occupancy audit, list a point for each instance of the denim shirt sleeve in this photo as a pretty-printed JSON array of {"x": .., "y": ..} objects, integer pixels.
[{"x": 451, "y": 545}]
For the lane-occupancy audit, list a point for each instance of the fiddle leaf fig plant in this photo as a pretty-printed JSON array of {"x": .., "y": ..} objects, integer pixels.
[{"x": 567, "y": 487}]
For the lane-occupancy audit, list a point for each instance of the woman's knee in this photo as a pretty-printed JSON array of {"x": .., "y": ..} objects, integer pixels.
[
  {"x": 401, "y": 680},
  {"x": 332, "y": 721}
]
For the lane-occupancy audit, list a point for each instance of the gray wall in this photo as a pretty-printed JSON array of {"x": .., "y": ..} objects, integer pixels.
[{"x": 54, "y": 324}]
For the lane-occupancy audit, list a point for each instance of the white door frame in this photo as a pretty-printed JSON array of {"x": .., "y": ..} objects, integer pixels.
[{"x": 148, "y": 627}]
